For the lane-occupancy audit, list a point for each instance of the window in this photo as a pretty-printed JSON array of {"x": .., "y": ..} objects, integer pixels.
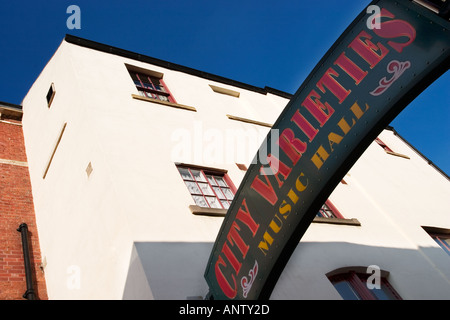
[
  {"x": 329, "y": 214},
  {"x": 50, "y": 94},
  {"x": 441, "y": 236},
  {"x": 443, "y": 241},
  {"x": 151, "y": 86},
  {"x": 353, "y": 286},
  {"x": 383, "y": 145},
  {"x": 389, "y": 150},
  {"x": 328, "y": 210},
  {"x": 208, "y": 188}
]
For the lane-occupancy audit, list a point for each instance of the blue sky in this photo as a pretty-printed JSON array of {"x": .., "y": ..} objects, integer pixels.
[{"x": 263, "y": 43}]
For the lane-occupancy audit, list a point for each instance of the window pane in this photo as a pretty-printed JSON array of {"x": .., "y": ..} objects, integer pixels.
[
  {"x": 225, "y": 204},
  {"x": 146, "y": 82},
  {"x": 198, "y": 175},
  {"x": 159, "y": 86},
  {"x": 219, "y": 193},
  {"x": 325, "y": 212},
  {"x": 446, "y": 241},
  {"x": 213, "y": 202},
  {"x": 221, "y": 181},
  {"x": 155, "y": 81},
  {"x": 163, "y": 98},
  {"x": 147, "y": 85},
  {"x": 200, "y": 201},
  {"x": 206, "y": 189},
  {"x": 443, "y": 242},
  {"x": 228, "y": 193},
  {"x": 192, "y": 187},
  {"x": 346, "y": 291},
  {"x": 211, "y": 180},
  {"x": 383, "y": 293},
  {"x": 149, "y": 95},
  {"x": 134, "y": 77},
  {"x": 185, "y": 174}
]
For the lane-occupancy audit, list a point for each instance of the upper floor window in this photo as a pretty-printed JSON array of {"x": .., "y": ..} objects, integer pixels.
[
  {"x": 208, "y": 188},
  {"x": 383, "y": 145},
  {"x": 328, "y": 210},
  {"x": 441, "y": 236},
  {"x": 443, "y": 241},
  {"x": 151, "y": 86},
  {"x": 353, "y": 286}
]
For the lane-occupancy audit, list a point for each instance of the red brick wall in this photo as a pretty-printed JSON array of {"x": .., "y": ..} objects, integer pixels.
[{"x": 16, "y": 207}]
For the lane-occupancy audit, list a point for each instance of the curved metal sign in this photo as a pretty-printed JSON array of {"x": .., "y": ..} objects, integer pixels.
[{"x": 377, "y": 66}]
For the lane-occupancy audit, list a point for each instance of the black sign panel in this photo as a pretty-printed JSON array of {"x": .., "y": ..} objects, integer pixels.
[{"x": 378, "y": 65}]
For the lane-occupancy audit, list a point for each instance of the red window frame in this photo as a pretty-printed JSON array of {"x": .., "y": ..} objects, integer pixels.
[
  {"x": 441, "y": 236},
  {"x": 358, "y": 284},
  {"x": 158, "y": 86},
  {"x": 207, "y": 174},
  {"x": 440, "y": 240},
  {"x": 329, "y": 211},
  {"x": 383, "y": 145}
]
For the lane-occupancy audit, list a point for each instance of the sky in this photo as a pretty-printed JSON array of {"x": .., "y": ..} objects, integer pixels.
[{"x": 259, "y": 42}]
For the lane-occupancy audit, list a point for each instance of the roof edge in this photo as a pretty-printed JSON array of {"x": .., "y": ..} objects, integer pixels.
[
  {"x": 169, "y": 65},
  {"x": 10, "y": 110}
]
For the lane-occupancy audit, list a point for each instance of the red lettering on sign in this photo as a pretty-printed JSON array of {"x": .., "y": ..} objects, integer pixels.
[
  {"x": 333, "y": 85},
  {"x": 265, "y": 190},
  {"x": 367, "y": 49},
  {"x": 304, "y": 125},
  {"x": 350, "y": 68},
  {"x": 317, "y": 108},
  {"x": 279, "y": 168},
  {"x": 246, "y": 218},
  {"x": 229, "y": 290},
  {"x": 290, "y": 145},
  {"x": 235, "y": 238},
  {"x": 394, "y": 29},
  {"x": 226, "y": 250}
]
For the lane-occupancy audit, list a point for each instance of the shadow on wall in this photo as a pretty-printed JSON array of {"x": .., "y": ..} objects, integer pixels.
[{"x": 174, "y": 270}]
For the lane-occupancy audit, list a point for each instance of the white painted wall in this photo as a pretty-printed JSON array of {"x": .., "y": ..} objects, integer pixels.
[{"x": 125, "y": 231}]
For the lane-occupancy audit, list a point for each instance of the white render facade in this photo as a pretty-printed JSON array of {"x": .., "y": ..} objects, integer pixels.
[{"x": 115, "y": 218}]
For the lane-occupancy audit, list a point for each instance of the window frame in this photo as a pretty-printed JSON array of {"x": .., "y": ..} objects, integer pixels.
[
  {"x": 148, "y": 94},
  {"x": 383, "y": 145},
  {"x": 151, "y": 93},
  {"x": 334, "y": 211},
  {"x": 389, "y": 150},
  {"x": 205, "y": 172},
  {"x": 50, "y": 94},
  {"x": 439, "y": 238},
  {"x": 439, "y": 235},
  {"x": 358, "y": 284}
]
